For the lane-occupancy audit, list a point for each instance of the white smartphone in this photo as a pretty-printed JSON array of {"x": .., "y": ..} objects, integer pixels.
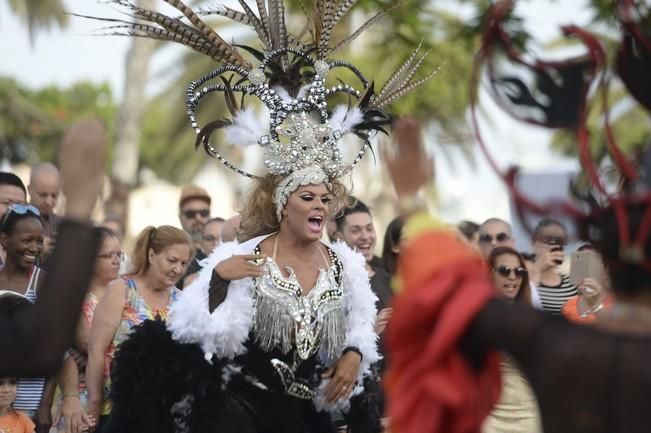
[{"x": 586, "y": 264}]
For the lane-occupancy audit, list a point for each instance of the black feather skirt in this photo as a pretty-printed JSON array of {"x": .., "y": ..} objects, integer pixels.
[{"x": 162, "y": 386}]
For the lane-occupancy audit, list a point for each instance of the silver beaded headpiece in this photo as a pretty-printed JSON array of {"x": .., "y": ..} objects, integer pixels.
[{"x": 298, "y": 125}]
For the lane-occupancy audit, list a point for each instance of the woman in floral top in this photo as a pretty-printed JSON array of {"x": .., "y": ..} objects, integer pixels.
[
  {"x": 71, "y": 379},
  {"x": 159, "y": 261}
]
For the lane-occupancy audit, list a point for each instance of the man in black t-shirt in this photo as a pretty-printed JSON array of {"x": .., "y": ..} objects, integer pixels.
[{"x": 355, "y": 227}]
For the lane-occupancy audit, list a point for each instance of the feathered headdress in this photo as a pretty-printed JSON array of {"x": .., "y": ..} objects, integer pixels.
[{"x": 299, "y": 129}]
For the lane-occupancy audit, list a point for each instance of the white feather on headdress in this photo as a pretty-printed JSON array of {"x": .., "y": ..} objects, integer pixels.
[
  {"x": 285, "y": 96},
  {"x": 247, "y": 127},
  {"x": 344, "y": 119},
  {"x": 282, "y": 93}
]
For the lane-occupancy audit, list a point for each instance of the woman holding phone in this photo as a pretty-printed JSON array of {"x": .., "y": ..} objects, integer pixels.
[{"x": 554, "y": 287}]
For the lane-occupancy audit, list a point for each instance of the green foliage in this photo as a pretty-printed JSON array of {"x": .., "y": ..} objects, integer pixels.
[{"x": 35, "y": 120}]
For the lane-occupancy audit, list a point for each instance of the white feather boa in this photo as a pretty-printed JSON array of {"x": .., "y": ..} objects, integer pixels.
[{"x": 223, "y": 332}]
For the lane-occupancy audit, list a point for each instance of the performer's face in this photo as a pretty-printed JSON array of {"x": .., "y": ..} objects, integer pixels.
[{"x": 307, "y": 211}]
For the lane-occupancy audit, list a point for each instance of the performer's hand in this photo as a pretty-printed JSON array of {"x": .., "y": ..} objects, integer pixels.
[
  {"x": 410, "y": 168},
  {"x": 238, "y": 267},
  {"x": 342, "y": 375}
]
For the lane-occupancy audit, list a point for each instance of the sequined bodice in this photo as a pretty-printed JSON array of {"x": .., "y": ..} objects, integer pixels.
[{"x": 286, "y": 318}]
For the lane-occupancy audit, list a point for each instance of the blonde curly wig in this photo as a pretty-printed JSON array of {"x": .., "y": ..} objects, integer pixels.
[{"x": 259, "y": 209}]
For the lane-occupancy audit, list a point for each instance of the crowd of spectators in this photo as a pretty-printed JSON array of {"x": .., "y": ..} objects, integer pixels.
[{"x": 124, "y": 290}]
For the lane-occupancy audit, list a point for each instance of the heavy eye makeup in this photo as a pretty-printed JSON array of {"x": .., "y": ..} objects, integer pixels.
[{"x": 309, "y": 197}]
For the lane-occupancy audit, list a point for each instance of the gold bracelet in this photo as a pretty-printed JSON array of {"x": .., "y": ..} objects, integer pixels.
[{"x": 70, "y": 394}]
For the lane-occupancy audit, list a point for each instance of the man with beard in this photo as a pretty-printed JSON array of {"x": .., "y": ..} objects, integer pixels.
[{"x": 194, "y": 212}]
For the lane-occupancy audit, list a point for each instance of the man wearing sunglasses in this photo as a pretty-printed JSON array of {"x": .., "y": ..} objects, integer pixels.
[
  {"x": 494, "y": 232},
  {"x": 194, "y": 213}
]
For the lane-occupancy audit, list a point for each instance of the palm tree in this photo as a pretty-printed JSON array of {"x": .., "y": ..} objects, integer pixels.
[
  {"x": 39, "y": 14},
  {"x": 124, "y": 174}
]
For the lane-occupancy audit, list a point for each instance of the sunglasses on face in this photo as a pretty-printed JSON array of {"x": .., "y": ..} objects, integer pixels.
[
  {"x": 210, "y": 238},
  {"x": 505, "y": 271},
  {"x": 110, "y": 255},
  {"x": 190, "y": 214},
  {"x": 553, "y": 241},
  {"x": 500, "y": 237}
]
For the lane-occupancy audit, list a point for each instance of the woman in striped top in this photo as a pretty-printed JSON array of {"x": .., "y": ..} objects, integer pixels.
[
  {"x": 21, "y": 236},
  {"x": 554, "y": 287}
]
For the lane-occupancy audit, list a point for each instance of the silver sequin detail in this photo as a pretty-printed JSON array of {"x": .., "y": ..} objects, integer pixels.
[
  {"x": 294, "y": 387},
  {"x": 312, "y": 175},
  {"x": 303, "y": 142},
  {"x": 285, "y": 318},
  {"x": 257, "y": 77}
]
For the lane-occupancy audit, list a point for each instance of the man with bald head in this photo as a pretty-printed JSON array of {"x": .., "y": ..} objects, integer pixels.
[
  {"x": 230, "y": 227},
  {"x": 44, "y": 189},
  {"x": 493, "y": 233}
]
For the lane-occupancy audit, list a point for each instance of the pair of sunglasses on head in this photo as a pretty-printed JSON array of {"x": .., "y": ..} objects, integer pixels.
[{"x": 20, "y": 209}]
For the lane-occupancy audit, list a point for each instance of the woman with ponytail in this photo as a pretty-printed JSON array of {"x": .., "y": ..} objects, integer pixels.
[{"x": 159, "y": 260}]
